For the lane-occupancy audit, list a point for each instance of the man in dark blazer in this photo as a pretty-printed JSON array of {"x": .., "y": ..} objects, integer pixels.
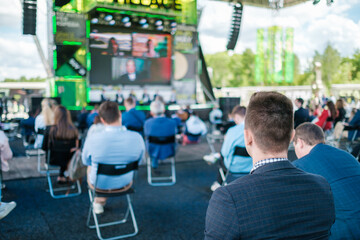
[
  {"x": 340, "y": 169},
  {"x": 301, "y": 115},
  {"x": 276, "y": 200}
]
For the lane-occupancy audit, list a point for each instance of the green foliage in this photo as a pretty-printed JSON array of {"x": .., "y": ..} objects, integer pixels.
[
  {"x": 232, "y": 71},
  {"x": 24, "y": 79}
]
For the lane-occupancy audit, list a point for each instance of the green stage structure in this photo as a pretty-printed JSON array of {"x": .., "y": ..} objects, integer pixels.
[{"x": 92, "y": 41}]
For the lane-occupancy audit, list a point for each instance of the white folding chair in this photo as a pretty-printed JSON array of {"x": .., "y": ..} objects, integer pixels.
[
  {"x": 112, "y": 170},
  {"x": 167, "y": 180}
]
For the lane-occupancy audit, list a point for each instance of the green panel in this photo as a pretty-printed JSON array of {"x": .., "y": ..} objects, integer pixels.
[
  {"x": 278, "y": 73},
  {"x": 71, "y": 92},
  {"x": 270, "y": 55},
  {"x": 289, "y": 55}
]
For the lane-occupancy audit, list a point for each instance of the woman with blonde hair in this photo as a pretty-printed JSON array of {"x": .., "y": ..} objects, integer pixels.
[
  {"x": 45, "y": 118},
  {"x": 63, "y": 134}
]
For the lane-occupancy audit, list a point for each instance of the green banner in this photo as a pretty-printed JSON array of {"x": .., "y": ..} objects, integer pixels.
[
  {"x": 278, "y": 69},
  {"x": 71, "y": 91},
  {"x": 259, "y": 58},
  {"x": 289, "y": 55},
  {"x": 270, "y": 55}
]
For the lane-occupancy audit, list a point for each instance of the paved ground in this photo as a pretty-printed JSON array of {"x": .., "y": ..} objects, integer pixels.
[{"x": 176, "y": 212}]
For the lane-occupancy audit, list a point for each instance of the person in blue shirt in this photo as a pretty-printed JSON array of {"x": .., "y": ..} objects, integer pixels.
[
  {"x": 133, "y": 119},
  {"x": 340, "y": 169},
  {"x": 113, "y": 145},
  {"x": 234, "y": 137},
  {"x": 159, "y": 126}
]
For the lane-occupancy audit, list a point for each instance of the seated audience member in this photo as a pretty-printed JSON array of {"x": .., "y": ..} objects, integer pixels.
[
  {"x": 91, "y": 116},
  {"x": 5, "y": 152},
  {"x": 301, "y": 115},
  {"x": 97, "y": 126},
  {"x": 234, "y": 137},
  {"x": 327, "y": 116},
  {"x": 194, "y": 129},
  {"x": 62, "y": 133},
  {"x": 355, "y": 122},
  {"x": 113, "y": 145},
  {"x": 44, "y": 119},
  {"x": 340, "y": 169},
  {"x": 341, "y": 111},
  {"x": 133, "y": 119},
  {"x": 215, "y": 116},
  {"x": 81, "y": 119},
  {"x": 277, "y": 200},
  {"x": 6, "y": 208},
  {"x": 28, "y": 126},
  {"x": 159, "y": 126}
]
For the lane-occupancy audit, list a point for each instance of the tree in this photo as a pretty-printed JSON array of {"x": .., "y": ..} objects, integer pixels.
[
  {"x": 330, "y": 61},
  {"x": 219, "y": 63}
]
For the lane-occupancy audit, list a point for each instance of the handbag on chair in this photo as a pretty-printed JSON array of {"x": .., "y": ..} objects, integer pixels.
[{"x": 76, "y": 169}]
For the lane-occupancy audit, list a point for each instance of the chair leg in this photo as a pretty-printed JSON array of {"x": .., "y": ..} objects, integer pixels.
[
  {"x": 151, "y": 179},
  {"x": 97, "y": 226},
  {"x": 52, "y": 190}
]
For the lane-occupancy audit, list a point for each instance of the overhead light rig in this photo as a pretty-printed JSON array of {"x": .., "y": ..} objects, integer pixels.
[{"x": 133, "y": 20}]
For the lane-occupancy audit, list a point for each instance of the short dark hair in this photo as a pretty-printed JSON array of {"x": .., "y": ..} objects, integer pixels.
[
  {"x": 270, "y": 118},
  {"x": 130, "y": 100},
  {"x": 300, "y": 100},
  {"x": 109, "y": 112},
  {"x": 310, "y": 133},
  {"x": 239, "y": 110}
]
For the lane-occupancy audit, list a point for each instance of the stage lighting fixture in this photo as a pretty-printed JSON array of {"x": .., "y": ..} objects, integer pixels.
[
  {"x": 112, "y": 22},
  {"x": 125, "y": 20},
  {"x": 160, "y": 28},
  {"x": 94, "y": 20},
  {"x": 128, "y": 24},
  {"x": 108, "y": 18},
  {"x": 146, "y": 25},
  {"x": 316, "y": 2},
  {"x": 173, "y": 24},
  {"x": 158, "y": 22},
  {"x": 143, "y": 21}
]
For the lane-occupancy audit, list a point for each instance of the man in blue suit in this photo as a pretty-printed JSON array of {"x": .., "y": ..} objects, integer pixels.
[
  {"x": 133, "y": 119},
  {"x": 301, "y": 115},
  {"x": 340, "y": 169},
  {"x": 159, "y": 126},
  {"x": 277, "y": 200}
]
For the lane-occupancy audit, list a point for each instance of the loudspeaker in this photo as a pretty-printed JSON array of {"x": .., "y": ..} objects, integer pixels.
[
  {"x": 227, "y": 104},
  {"x": 29, "y": 17}
]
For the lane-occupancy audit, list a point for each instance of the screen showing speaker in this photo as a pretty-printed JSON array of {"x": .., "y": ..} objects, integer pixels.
[{"x": 122, "y": 57}]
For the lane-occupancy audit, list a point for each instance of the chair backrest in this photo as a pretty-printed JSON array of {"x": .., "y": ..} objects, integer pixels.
[
  {"x": 59, "y": 151},
  {"x": 162, "y": 140},
  {"x": 241, "y": 151},
  {"x": 116, "y": 169}
]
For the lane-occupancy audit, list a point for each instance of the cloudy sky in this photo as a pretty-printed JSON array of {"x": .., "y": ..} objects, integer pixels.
[{"x": 314, "y": 26}]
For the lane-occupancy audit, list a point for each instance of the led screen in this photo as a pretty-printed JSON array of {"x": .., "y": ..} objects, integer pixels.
[{"x": 126, "y": 58}]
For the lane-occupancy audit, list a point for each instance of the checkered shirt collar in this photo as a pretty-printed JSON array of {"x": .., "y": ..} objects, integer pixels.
[{"x": 266, "y": 161}]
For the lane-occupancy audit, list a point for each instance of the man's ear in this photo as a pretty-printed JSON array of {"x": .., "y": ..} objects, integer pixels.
[
  {"x": 292, "y": 135},
  {"x": 248, "y": 138},
  {"x": 102, "y": 120}
]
